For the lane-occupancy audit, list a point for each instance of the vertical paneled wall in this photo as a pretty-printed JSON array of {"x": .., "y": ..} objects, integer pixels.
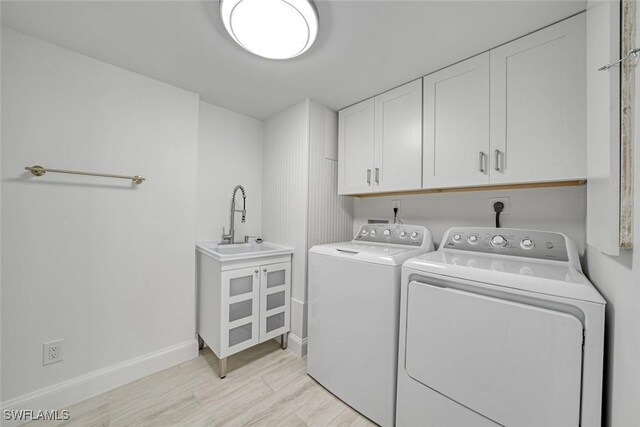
[
  {"x": 284, "y": 195},
  {"x": 301, "y": 207}
]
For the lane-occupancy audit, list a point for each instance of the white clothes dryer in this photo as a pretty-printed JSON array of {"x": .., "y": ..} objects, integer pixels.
[{"x": 500, "y": 327}]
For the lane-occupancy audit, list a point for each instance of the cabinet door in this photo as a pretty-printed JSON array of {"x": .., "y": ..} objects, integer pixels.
[
  {"x": 355, "y": 145},
  {"x": 538, "y": 105},
  {"x": 456, "y": 125},
  {"x": 275, "y": 284},
  {"x": 398, "y": 137},
  {"x": 240, "y": 310}
]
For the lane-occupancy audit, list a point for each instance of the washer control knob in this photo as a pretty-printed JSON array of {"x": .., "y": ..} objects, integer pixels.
[
  {"x": 527, "y": 244},
  {"x": 403, "y": 234},
  {"x": 373, "y": 233},
  {"x": 473, "y": 239},
  {"x": 364, "y": 232},
  {"x": 387, "y": 232},
  {"x": 457, "y": 238},
  {"x": 415, "y": 235},
  {"x": 498, "y": 241}
]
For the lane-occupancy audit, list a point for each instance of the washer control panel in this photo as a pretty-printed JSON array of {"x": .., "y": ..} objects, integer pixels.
[
  {"x": 396, "y": 234},
  {"x": 505, "y": 241}
]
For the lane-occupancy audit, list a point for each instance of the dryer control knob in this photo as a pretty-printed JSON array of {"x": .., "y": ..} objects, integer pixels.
[
  {"x": 527, "y": 244},
  {"x": 457, "y": 238},
  {"x": 498, "y": 241}
]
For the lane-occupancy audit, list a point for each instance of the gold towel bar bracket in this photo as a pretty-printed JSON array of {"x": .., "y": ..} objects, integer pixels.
[{"x": 37, "y": 170}]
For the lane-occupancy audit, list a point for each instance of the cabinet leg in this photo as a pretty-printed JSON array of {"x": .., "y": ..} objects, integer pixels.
[
  {"x": 223, "y": 367},
  {"x": 284, "y": 340},
  {"x": 200, "y": 343}
]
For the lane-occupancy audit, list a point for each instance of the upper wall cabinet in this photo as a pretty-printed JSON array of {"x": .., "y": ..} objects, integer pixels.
[
  {"x": 456, "y": 125},
  {"x": 538, "y": 105},
  {"x": 355, "y": 148},
  {"x": 380, "y": 142}
]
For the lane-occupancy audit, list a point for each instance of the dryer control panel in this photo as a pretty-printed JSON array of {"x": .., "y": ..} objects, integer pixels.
[
  {"x": 395, "y": 234},
  {"x": 508, "y": 241}
]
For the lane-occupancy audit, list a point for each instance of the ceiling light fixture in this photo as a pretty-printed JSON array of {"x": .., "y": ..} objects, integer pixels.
[{"x": 274, "y": 29}]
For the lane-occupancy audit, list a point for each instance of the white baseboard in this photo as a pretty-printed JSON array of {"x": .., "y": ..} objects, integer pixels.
[
  {"x": 297, "y": 345},
  {"x": 66, "y": 393}
]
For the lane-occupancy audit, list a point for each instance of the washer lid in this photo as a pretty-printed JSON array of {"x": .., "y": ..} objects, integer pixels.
[
  {"x": 393, "y": 255},
  {"x": 539, "y": 276}
]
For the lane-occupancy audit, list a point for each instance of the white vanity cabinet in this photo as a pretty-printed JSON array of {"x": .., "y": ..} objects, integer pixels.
[
  {"x": 380, "y": 142},
  {"x": 241, "y": 303}
]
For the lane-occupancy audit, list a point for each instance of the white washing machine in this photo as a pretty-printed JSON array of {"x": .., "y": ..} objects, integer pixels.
[
  {"x": 500, "y": 327},
  {"x": 354, "y": 308}
]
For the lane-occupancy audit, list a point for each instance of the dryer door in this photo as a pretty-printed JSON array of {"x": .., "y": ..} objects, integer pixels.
[{"x": 516, "y": 364}]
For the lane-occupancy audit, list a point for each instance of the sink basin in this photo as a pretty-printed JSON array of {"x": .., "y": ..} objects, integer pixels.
[{"x": 236, "y": 251}]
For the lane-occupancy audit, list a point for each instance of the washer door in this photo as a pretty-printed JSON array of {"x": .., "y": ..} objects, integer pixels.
[{"x": 516, "y": 364}]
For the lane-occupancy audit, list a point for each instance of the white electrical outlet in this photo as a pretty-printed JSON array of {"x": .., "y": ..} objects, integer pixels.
[
  {"x": 395, "y": 204},
  {"x": 52, "y": 352},
  {"x": 493, "y": 200}
]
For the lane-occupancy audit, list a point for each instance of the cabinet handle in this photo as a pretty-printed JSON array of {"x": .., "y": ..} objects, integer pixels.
[
  {"x": 257, "y": 271},
  {"x": 498, "y": 156},
  {"x": 377, "y": 175},
  {"x": 369, "y": 176},
  {"x": 483, "y": 160},
  {"x": 265, "y": 270}
]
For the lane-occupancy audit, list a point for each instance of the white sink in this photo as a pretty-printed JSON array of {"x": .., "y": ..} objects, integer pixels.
[{"x": 237, "y": 251}]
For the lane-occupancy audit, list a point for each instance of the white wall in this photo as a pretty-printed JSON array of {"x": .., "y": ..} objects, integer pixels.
[
  {"x": 229, "y": 153},
  {"x": 555, "y": 209},
  {"x": 103, "y": 264},
  {"x": 618, "y": 279}
]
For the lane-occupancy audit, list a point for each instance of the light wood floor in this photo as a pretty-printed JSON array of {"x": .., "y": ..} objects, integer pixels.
[{"x": 265, "y": 386}]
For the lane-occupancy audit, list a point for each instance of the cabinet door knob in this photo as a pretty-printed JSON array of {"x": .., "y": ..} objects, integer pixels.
[
  {"x": 265, "y": 270},
  {"x": 257, "y": 271}
]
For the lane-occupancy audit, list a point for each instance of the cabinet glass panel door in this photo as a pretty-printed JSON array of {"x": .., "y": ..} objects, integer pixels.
[
  {"x": 240, "y": 309},
  {"x": 275, "y": 286}
]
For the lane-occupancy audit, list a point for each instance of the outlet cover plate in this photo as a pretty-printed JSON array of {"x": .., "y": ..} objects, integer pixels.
[
  {"x": 52, "y": 352},
  {"x": 505, "y": 200}
]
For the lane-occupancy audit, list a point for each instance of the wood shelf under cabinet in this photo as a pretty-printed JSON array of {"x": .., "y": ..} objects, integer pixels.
[{"x": 572, "y": 183}]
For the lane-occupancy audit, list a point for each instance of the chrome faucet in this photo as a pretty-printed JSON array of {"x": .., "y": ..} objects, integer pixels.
[{"x": 230, "y": 238}]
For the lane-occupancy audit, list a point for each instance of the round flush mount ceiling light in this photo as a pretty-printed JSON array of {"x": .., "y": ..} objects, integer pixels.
[{"x": 274, "y": 29}]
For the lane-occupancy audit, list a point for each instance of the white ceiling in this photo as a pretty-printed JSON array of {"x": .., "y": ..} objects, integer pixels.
[{"x": 363, "y": 48}]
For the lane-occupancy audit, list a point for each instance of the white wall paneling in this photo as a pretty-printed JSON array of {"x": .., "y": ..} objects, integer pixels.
[
  {"x": 229, "y": 153},
  {"x": 104, "y": 265},
  {"x": 300, "y": 202},
  {"x": 538, "y": 105},
  {"x": 603, "y": 127}
]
